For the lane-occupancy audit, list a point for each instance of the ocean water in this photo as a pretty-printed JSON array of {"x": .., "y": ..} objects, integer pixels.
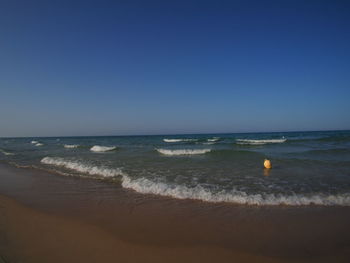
[{"x": 309, "y": 168}]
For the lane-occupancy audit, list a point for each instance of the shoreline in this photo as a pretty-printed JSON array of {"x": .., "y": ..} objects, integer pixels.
[
  {"x": 89, "y": 215},
  {"x": 267, "y": 200}
]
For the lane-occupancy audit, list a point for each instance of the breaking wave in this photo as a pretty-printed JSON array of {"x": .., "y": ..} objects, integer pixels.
[
  {"x": 81, "y": 167},
  {"x": 6, "y": 153},
  {"x": 98, "y": 148},
  {"x": 259, "y": 142},
  {"x": 214, "y": 139},
  {"x": 146, "y": 186},
  {"x": 70, "y": 146},
  {"x": 180, "y": 140},
  {"x": 39, "y": 144},
  {"x": 34, "y": 142},
  {"x": 183, "y": 151}
]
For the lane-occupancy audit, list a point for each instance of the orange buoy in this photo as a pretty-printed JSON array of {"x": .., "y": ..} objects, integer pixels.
[{"x": 267, "y": 164}]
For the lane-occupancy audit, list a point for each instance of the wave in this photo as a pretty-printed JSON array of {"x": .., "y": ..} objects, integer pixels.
[
  {"x": 82, "y": 168},
  {"x": 39, "y": 144},
  {"x": 259, "y": 142},
  {"x": 321, "y": 138},
  {"x": 180, "y": 140},
  {"x": 183, "y": 151},
  {"x": 146, "y": 186},
  {"x": 70, "y": 146},
  {"x": 98, "y": 148},
  {"x": 34, "y": 142},
  {"x": 214, "y": 139},
  {"x": 6, "y": 153}
]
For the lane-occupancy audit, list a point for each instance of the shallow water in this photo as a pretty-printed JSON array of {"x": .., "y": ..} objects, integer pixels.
[{"x": 308, "y": 167}]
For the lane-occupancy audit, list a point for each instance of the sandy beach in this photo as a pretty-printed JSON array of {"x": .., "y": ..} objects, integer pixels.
[
  {"x": 174, "y": 131},
  {"x": 51, "y": 218}
]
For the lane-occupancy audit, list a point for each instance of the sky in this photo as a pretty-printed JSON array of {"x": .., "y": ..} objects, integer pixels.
[{"x": 70, "y": 68}]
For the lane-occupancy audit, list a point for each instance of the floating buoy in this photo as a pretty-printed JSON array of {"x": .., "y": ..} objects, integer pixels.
[{"x": 267, "y": 164}]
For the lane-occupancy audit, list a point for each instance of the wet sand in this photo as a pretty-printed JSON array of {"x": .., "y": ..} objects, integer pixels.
[{"x": 51, "y": 218}]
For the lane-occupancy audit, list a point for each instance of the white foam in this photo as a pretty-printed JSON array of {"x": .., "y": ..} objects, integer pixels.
[
  {"x": 146, "y": 186},
  {"x": 214, "y": 139},
  {"x": 6, "y": 153},
  {"x": 70, "y": 146},
  {"x": 39, "y": 144},
  {"x": 81, "y": 167},
  {"x": 259, "y": 142},
  {"x": 172, "y": 140},
  {"x": 183, "y": 151},
  {"x": 98, "y": 148},
  {"x": 180, "y": 140},
  {"x": 34, "y": 142}
]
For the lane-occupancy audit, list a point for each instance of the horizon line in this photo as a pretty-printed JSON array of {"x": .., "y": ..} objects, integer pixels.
[{"x": 169, "y": 134}]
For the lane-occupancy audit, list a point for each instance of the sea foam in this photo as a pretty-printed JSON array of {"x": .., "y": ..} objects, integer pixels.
[
  {"x": 70, "y": 146},
  {"x": 146, "y": 186},
  {"x": 39, "y": 144},
  {"x": 259, "y": 142},
  {"x": 98, "y": 148},
  {"x": 183, "y": 151},
  {"x": 214, "y": 139},
  {"x": 6, "y": 153},
  {"x": 180, "y": 140},
  {"x": 82, "y": 167}
]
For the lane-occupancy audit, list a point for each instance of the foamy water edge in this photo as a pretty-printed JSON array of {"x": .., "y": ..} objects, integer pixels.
[{"x": 146, "y": 186}]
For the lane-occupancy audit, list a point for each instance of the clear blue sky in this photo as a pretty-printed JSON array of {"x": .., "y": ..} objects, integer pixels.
[{"x": 154, "y": 67}]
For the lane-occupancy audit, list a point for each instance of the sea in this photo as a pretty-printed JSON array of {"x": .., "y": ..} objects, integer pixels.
[{"x": 308, "y": 168}]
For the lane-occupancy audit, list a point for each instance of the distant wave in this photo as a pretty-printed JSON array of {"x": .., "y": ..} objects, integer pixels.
[
  {"x": 259, "y": 142},
  {"x": 81, "y": 167},
  {"x": 70, "y": 146},
  {"x": 39, "y": 144},
  {"x": 98, "y": 148},
  {"x": 329, "y": 138},
  {"x": 183, "y": 151},
  {"x": 214, "y": 139},
  {"x": 34, "y": 142},
  {"x": 5, "y": 152},
  {"x": 180, "y": 140},
  {"x": 172, "y": 140},
  {"x": 146, "y": 186}
]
